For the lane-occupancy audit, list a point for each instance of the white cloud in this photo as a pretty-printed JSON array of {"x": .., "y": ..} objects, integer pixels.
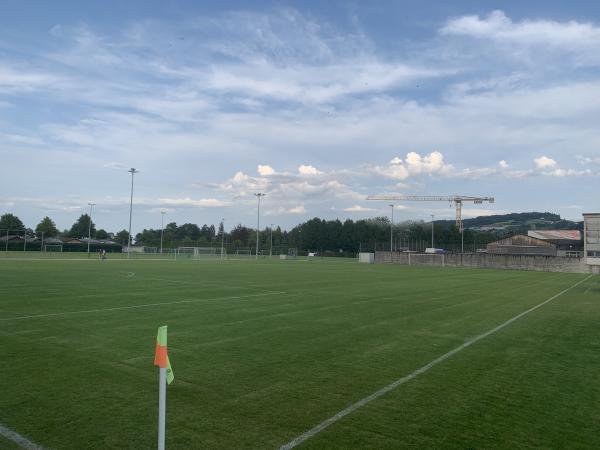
[
  {"x": 358, "y": 208},
  {"x": 300, "y": 209},
  {"x": 568, "y": 173},
  {"x": 186, "y": 201},
  {"x": 414, "y": 164},
  {"x": 503, "y": 164},
  {"x": 308, "y": 170},
  {"x": 543, "y": 162},
  {"x": 265, "y": 170},
  {"x": 586, "y": 160},
  {"x": 499, "y": 27}
]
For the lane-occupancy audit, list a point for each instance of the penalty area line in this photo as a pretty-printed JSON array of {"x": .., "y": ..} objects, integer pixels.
[
  {"x": 21, "y": 441},
  {"x": 147, "y": 305},
  {"x": 390, "y": 387}
]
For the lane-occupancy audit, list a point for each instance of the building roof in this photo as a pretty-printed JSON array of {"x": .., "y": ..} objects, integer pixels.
[
  {"x": 564, "y": 235},
  {"x": 520, "y": 240}
]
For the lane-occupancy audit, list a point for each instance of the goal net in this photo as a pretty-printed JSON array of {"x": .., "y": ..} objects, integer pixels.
[
  {"x": 53, "y": 248},
  {"x": 292, "y": 253},
  {"x": 243, "y": 253},
  {"x": 423, "y": 259},
  {"x": 198, "y": 252},
  {"x": 185, "y": 252}
]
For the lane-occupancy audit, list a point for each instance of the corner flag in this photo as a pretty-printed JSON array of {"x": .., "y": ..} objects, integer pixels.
[{"x": 161, "y": 357}]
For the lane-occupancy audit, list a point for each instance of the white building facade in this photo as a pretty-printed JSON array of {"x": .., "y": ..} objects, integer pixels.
[{"x": 591, "y": 238}]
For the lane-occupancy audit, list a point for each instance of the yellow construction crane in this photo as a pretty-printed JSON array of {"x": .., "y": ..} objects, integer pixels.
[{"x": 458, "y": 200}]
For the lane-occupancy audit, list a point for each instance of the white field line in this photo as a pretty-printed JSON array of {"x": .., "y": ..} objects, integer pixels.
[
  {"x": 381, "y": 392},
  {"x": 147, "y": 305},
  {"x": 82, "y": 259},
  {"x": 21, "y": 441}
]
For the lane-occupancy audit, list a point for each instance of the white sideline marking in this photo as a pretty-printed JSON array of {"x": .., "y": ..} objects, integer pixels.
[
  {"x": 18, "y": 439},
  {"x": 147, "y": 305},
  {"x": 353, "y": 407}
]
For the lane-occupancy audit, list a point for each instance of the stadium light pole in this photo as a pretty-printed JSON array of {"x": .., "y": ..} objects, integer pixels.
[
  {"x": 90, "y": 227},
  {"x": 222, "y": 237},
  {"x": 132, "y": 171},
  {"x": 258, "y": 195},
  {"x": 162, "y": 229},
  {"x": 432, "y": 222},
  {"x": 271, "y": 247},
  {"x": 392, "y": 232}
]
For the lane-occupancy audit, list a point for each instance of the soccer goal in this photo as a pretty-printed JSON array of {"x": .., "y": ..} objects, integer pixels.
[
  {"x": 292, "y": 253},
  {"x": 243, "y": 253},
  {"x": 207, "y": 253},
  {"x": 197, "y": 253},
  {"x": 185, "y": 252},
  {"x": 53, "y": 248},
  {"x": 424, "y": 259}
]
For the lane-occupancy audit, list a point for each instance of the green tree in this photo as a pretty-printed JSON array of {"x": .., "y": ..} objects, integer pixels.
[
  {"x": 11, "y": 222},
  {"x": 47, "y": 227},
  {"x": 101, "y": 234},
  {"x": 121, "y": 237},
  {"x": 80, "y": 227}
]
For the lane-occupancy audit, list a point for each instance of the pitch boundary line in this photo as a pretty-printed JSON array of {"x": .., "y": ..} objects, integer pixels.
[
  {"x": 15, "y": 437},
  {"x": 390, "y": 387},
  {"x": 147, "y": 305}
]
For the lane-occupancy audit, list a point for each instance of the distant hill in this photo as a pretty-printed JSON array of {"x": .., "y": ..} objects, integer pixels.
[{"x": 520, "y": 222}]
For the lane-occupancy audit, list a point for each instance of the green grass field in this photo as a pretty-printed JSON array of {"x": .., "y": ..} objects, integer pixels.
[{"x": 263, "y": 351}]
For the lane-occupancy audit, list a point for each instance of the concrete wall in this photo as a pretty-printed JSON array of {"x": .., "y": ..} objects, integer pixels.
[{"x": 475, "y": 260}]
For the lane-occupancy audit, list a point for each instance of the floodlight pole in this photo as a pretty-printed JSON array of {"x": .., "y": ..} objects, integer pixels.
[
  {"x": 162, "y": 229},
  {"x": 132, "y": 171},
  {"x": 271, "y": 248},
  {"x": 392, "y": 232},
  {"x": 222, "y": 237},
  {"x": 90, "y": 228},
  {"x": 432, "y": 222},
  {"x": 258, "y": 195}
]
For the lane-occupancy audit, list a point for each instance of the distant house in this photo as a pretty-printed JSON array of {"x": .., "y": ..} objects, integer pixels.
[
  {"x": 568, "y": 242},
  {"x": 70, "y": 240},
  {"x": 11, "y": 238},
  {"x": 522, "y": 245},
  {"x": 52, "y": 241}
]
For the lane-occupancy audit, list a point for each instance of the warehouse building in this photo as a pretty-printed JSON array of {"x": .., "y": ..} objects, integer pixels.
[
  {"x": 568, "y": 242},
  {"x": 522, "y": 245},
  {"x": 591, "y": 238}
]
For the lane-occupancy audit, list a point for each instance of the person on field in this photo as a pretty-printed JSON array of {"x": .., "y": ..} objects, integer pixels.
[{"x": 103, "y": 254}]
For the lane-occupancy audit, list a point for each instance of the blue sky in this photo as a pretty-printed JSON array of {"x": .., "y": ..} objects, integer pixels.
[{"x": 318, "y": 104}]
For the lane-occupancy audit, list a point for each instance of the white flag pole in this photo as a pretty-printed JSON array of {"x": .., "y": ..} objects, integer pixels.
[{"x": 162, "y": 406}]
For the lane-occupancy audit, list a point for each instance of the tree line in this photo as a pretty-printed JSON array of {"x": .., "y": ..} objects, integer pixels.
[{"x": 320, "y": 235}]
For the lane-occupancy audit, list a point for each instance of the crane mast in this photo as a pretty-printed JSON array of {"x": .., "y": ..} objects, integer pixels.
[{"x": 458, "y": 200}]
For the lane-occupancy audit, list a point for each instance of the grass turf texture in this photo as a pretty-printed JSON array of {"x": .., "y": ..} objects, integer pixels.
[{"x": 263, "y": 351}]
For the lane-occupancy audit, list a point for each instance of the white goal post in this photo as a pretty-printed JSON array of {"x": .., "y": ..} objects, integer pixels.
[
  {"x": 198, "y": 252},
  {"x": 243, "y": 253},
  {"x": 426, "y": 259}
]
